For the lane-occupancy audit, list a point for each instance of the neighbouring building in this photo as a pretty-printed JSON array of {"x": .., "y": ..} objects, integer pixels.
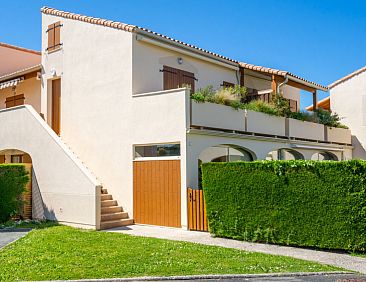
[{"x": 112, "y": 133}]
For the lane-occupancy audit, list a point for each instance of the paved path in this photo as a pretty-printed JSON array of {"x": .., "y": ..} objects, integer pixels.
[
  {"x": 340, "y": 260},
  {"x": 9, "y": 236}
]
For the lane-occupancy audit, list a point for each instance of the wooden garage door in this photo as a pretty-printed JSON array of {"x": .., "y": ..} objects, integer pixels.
[{"x": 157, "y": 192}]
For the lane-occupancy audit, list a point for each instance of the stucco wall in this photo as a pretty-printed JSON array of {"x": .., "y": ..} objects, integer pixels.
[
  {"x": 69, "y": 193},
  {"x": 197, "y": 142},
  {"x": 31, "y": 88},
  {"x": 95, "y": 66},
  {"x": 348, "y": 99},
  {"x": 148, "y": 59}
]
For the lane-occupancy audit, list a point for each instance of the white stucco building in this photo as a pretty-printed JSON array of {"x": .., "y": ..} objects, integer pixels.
[{"x": 113, "y": 135}]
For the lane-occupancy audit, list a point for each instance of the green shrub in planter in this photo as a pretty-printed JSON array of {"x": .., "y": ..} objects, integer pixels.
[
  {"x": 13, "y": 178},
  {"x": 302, "y": 203}
]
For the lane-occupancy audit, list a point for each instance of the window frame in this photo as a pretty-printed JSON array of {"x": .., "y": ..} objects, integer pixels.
[{"x": 136, "y": 158}]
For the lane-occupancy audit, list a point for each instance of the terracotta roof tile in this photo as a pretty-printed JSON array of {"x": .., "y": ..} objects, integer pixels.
[
  {"x": 19, "y": 48},
  {"x": 134, "y": 28},
  {"x": 349, "y": 76}
]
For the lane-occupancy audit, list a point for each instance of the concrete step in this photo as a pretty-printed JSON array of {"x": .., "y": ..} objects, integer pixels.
[
  {"x": 104, "y": 191},
  {"x": 114, "y": 216},
  {"x": 109, "y": 203},
  {"x": 112, "y": 209},
  {"x": 116, "y": 223},
  {"x": 105, "y": 197}
]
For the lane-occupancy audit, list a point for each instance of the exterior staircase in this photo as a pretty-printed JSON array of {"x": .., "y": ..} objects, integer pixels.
[{"x": 112, "y": 215}]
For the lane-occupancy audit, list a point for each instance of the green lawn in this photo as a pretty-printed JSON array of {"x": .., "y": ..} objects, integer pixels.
[{"x": 61, "y": 252}]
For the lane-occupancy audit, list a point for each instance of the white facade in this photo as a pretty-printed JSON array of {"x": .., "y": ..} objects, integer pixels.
[
  {"x": 112, "y": 99},
  {"x": 348, "y": 99}
]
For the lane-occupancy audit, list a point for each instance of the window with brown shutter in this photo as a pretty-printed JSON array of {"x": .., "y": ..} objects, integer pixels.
[
  {"x": 54, "y": 34},
  {"x": 293, "y": 105},
  {"x": 13, "y": 101},
  {"x": 175, "y": 78}
]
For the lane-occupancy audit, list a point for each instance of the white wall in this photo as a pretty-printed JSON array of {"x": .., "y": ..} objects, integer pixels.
[
  {"x": 197, "y": 142},
  {"x": 148, "y": 59},
  {"x": 69, "y": 193},
  {"x": 95, "y": 66},
  {"x": 31, "y": 88},
  {"x": 348, "y": 99}
]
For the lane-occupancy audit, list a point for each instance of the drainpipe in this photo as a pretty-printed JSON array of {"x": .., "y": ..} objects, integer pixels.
[{"x": 282, "y": 84}]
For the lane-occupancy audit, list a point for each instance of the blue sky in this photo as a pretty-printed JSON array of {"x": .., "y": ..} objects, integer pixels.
[{"x": 320, "y": 40}]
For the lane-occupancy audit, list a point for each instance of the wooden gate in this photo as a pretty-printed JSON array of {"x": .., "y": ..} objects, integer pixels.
[
  {"x": 157, "y": 192},
  {"x": 197, "y": 219}
]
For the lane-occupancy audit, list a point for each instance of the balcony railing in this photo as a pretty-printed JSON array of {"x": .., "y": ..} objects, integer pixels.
[{"x": 221, "y": 117}]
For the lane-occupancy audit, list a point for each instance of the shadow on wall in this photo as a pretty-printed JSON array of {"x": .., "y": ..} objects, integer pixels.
[
  {"x": 359, "y": 151},
  {"x": 39, "y": 209}
]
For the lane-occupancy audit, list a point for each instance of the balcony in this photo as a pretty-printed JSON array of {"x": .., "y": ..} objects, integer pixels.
[{"x": 221, "y": 117}]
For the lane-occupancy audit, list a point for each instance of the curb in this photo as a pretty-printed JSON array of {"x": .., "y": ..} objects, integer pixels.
[
  {"x": 4, "y": 230},
  {"x": 211, "y": 276}
]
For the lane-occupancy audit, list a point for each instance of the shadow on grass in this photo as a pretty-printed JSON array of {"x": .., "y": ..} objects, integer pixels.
[{"x": 28, "y": 224}]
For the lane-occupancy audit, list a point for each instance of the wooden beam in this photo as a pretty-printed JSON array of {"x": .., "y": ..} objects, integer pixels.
[
  {"x": 315, "y": 100},
  {"x": 241, "y": 70},
  {"x": 274, "y": 84},
  {"x": 300, "y": 86}
]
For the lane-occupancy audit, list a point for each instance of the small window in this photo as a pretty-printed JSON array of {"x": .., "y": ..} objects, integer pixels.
[
  {"x": 157, "y": 151},
  {"x": 17, "y": 159},
  {"x": 53, "y": 32},
  {"x": 226, "y": 84}
]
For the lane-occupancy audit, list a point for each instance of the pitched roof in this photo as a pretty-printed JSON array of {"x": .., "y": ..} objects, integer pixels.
[
  {"x": 324, "y": 104},
  {"x": 137, "y": 29},
  {"x": 349, "y": 76},
  {"x": 20, "y": 48},
  {"x": 20, "y": 72}
]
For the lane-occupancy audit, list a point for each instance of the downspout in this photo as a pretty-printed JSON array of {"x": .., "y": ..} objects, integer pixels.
[{"x": 282, "y": 84}]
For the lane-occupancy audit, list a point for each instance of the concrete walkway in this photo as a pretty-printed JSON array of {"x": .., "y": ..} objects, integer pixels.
[
  {"x": 9, "y": 236},
  {"x": 340, "y": 260}
]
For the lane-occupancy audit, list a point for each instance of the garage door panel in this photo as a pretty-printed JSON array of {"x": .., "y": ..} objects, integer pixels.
[{"x": 157, "y": 192}]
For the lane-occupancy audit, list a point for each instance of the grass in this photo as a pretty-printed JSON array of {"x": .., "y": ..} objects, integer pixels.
[{"x": 61, "y": 252}]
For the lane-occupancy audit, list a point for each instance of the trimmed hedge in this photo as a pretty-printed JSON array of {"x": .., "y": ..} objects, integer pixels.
[
  {"x": 13, "y": 178},
  {"x": 301, "y": 203}
]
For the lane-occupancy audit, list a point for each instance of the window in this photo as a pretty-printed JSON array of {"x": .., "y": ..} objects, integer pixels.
[
  {"x": 157, "y": 151},
  {"x": 13, "y": 101},
  {"x": 175, "y": 78},
  {"x": 53, "y": 32},
  {"x": 226, "y": 84},
  {"x": 17, "y": 159}
]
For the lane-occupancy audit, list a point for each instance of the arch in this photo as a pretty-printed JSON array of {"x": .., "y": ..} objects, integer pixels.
[
  {"x": 324, "y": 156},
  {"x": 284, "y": 154},
  {"x": 14, "y": 156},
  {"x": 226, "y": 153}
]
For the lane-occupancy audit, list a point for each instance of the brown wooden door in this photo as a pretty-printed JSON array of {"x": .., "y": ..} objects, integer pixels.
[
  {"x": 157, "y": 192},
  {"x": 56, "y": 105},
  {"x": 2, "y": 159},
  {"x": 175, "y": 78}
]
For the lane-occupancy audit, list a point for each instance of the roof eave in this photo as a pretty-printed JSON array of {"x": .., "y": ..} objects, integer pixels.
[{"x": 20, "y": 72}]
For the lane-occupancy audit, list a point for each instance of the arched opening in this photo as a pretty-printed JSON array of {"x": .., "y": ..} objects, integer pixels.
[
  {"x": 324, "y": 156},
  {"x": 284, "y": 154},
  {"x": 223, "y": 153},
  {"x": 15, "y": 156}
]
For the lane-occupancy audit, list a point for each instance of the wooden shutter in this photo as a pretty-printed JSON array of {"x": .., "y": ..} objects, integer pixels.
[
  {"x": 13, "y": 101},
  {"x": 56, "y": 105},
  {"x": 186, "y": 78},
  {"x": 170, "y": 78},
  {"x": 175, "y": 78},
  {"x": 53, "y": 31},
  {"x": 293, "y": 105}
]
